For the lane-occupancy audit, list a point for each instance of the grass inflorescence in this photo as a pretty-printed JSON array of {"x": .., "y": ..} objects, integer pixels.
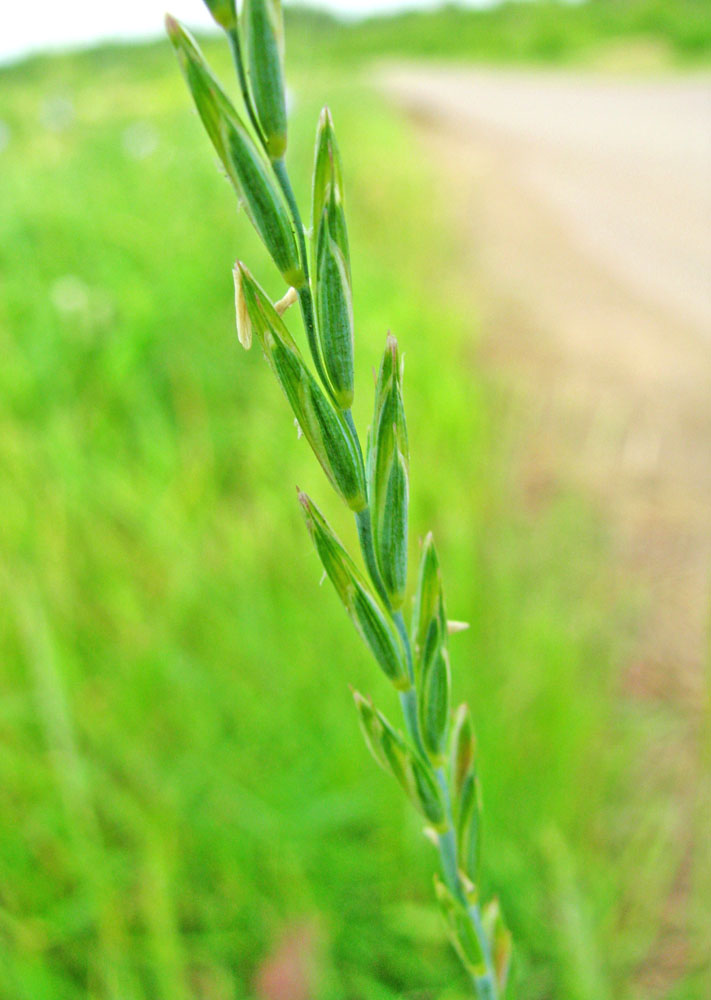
[{"x": 434, "y": 762}]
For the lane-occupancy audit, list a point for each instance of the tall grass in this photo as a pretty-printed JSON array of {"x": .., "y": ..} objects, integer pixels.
[{"x": 517, "y": 31}]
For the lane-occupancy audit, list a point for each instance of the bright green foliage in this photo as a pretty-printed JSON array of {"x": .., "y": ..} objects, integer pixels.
[
  {"x": 468, "y": 827},
  {"x": 434, "y": 687},
  {"x": 667, "y": 32},
  {"x": 463, "y": 749}
]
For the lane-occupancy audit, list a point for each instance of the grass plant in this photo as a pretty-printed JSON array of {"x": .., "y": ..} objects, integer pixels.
[
  {"x": 631, "y": 35},
  {"x": 435, "y": 761}
]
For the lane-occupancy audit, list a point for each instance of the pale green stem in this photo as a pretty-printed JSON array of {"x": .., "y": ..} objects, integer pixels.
[{"x": 485, "y": 985}]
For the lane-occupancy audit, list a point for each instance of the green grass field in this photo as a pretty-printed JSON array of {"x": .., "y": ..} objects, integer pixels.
[
  {"x": 624, "y": 34},
  {"x": 181, "y": 775}
]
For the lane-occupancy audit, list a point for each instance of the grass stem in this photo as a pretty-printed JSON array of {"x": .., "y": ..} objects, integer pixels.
[{"x": 486, "y": 984}]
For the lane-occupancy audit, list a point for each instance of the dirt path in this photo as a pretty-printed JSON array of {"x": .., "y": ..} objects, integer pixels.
[{"x": 587, "y": 204}]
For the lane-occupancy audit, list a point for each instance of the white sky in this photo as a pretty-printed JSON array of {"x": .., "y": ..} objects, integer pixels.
[{"x": 32, "y": 25}]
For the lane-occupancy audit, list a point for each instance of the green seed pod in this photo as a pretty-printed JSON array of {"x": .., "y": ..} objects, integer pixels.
[
  {"x": 389, "y": 477},
  {"x": 334, "y": 313},
  {"x": 364, "y": 610},
  {"x": 223, "y": 12},
  {"x": 328, "y": 186},
  {"x": 263, "y": 32},
  {"x": 332, "y": 269},
  {"x": 461, "y": 931},
  {"x": 246, "y": 166},
  {"x": 393, "y": 754},
  {"x": 433, "y": 705},
  {"x": 429, "y": 795},
  {"x": 323, "y": 427}
]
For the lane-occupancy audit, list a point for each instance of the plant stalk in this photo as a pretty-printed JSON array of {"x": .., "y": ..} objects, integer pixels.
[{"x": 485, "y": 985}]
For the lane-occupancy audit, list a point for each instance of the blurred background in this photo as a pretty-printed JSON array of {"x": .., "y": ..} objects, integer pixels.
[{"x": 188, "y": 810}]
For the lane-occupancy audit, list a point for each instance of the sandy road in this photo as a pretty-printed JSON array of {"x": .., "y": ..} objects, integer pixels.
[
  {"x": 625, "y": 166},
  {"x": 586, "y": 209},
  {"x": 584, "y": 205}
]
